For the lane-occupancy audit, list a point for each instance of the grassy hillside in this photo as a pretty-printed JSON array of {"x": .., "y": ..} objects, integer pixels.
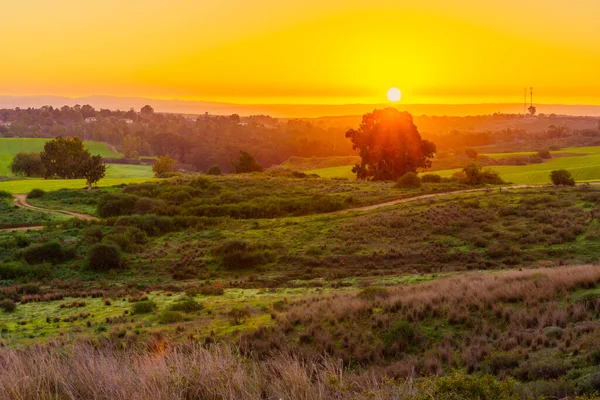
[
  {"x": 11, "y": 146},
  {"x": 462, "y": 286}
]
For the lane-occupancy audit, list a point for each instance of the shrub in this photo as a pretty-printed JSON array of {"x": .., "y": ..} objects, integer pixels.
[
  {"x": 9, "y": 271},
  {"x": 373, "y": 292},
  {"x": 545, "y": 154},
  {"x": 431, "y": 178},
  {"x": 214, "y": 170},
  {"x": 170, "y": 317},
  {"x": 120, "y": 239},
  {"x": 401, "y": 335},
  {"x": 114, "y": 205},
  {"x": 103, "y": 257},
  {"x": 471, "y": 153},
  {"x": 238, "y": 315},
  {"x": 164, "y": 166},
  {"x": 51, "y": 252},
  {"x": 187, "y": 306},
  {"x": 35, "y": 194},
  {"x": 21, "y": 240},
  {"x": 216, "y": 289},
  {"x": 409, "y": 180},
  {"x": 93, "y": 235},
  {"x": 143, "y": 307},
  {"x": 236, "y": 254},
  {"x": 473, "y": 174},
  {"x": 5, "y": 195},
  {"x": 8, "y": 305},
  {"x": 562, "y": 177}
]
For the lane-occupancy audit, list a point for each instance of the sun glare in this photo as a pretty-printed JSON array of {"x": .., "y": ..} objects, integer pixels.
[{"x": 394, "y": 95}]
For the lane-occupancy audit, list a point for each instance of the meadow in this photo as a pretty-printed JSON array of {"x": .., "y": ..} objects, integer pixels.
[
  {"x": 9, "y": 147},
  {"x": 582, "y": 162},
  {"x": 493, "y": 291}
]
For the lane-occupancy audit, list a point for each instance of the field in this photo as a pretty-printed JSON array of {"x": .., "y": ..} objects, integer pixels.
[
  {"x": 117, "y": 174},
  {"x": 271, "y": 274},
  {"x": 583, "y": 167},
  {"x": 11, "y": 146}
]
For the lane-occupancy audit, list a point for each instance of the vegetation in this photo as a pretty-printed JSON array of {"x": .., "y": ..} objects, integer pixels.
[
  {"x": 68, "y": 159},
  {"x": 164, "y": 166},
  {"x": 28, "y": 164},
  {"x": 390, "y": 146},
  {"x": 409, "y": 180},
  {"x": 104, "y": 257},
  {"x": 562, "y": 177},
  {"x": 246, "y": 163}
]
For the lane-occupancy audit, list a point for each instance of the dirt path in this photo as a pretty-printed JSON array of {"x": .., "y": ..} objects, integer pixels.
[
  {"x": 443, "y": 194},
  {"x": 21, "y": 201}
]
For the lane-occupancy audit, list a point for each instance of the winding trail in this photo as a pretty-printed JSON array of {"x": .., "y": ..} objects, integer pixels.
[{"x": 20, "y": 200}]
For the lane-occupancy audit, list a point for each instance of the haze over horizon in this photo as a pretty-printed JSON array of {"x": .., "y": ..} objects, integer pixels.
[{"x": 309, "y": 52}]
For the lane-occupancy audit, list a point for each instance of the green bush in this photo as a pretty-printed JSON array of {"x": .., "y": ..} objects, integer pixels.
[
  {"x": 401, "y": 335},
  {"x": 5, "y": 195},
  {"x": 114, "y": 205},
  {"x": 374, "y": 292},
  {"x": 214, "y": 170},
  {"x": 35, "y": 194},
  {"x": 103, "y": 257},
  {"x": 187, "y": 306},
  {"x": 236, "y": 254},
  {"x": 143, "y": 307},
  {"x": 409, "y": 180},
  {"x": 51, "y": 252},
  {"x": 93, "y": 235},
  {"x": 8, "y": 305},
  {"x": 562, "y": 177},
  {"x": 431, "y": 178},
  {"x": 170, "y": 317},
  {"x": 11, "y": 271},
  {"x": 460, "y": 386},
  {"x": 544, "y": 154}
]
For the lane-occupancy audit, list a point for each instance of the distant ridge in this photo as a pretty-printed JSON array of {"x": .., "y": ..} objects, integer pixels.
[{"x": 286, "y": 110}]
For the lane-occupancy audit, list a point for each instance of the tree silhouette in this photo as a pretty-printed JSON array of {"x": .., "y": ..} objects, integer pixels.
[{"x": 390, "y": 145}]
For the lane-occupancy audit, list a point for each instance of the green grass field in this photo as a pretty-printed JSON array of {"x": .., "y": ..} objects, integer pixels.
[
  {"x": 117, "y": 174},
  {"x": 585, "y": 167},
  {"x": 11, "y": 146}
]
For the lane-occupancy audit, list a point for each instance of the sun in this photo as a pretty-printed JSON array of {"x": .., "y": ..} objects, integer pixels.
[{"x": 394, "y": 95}]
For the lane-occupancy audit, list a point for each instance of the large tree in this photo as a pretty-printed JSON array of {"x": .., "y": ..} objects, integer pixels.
[
  {"x": 390, "y": 145},
  {"x": 29, "y": 164},
  {"x": 68, "y": 159},
  {"x": 246, "y": 163},
  {"x": 63, "y": 157}
]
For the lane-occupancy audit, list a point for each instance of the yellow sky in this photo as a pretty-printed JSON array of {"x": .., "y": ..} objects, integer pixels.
[{"x": 304, "y": 51}]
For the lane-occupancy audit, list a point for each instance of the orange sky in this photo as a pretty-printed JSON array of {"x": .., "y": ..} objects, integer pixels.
[{"x": 304, "y": 51}]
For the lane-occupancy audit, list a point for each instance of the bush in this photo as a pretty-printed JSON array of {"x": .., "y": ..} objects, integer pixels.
[
  {"x": 238, "y": 315},
  {"x": 8, "y": 305},
  {"x": 103, "y": 257},
  {"x": 187, "y": 306},
  {"x": 170, "y": 317},
  {"x": 562, "y": 177},
  {"x": 114, "y": 205},
  {"x": 473, "y": 174},
  {"x": 51, "y": 252},
  {"x": 93, "y": 235},
  {"x": 36, "y": 193},
  {"x": 545, "y": 154},
  {"x": 401, "y": 336},
  {"x": 214, "y": 170},
  {"x": 236, "y": 254},
  {"x": 5, "y": 195},
  {"x": 17, "y": 271},
  {"x": 409, "y": 180},
  {"x": 431, "y": 178},
  {"x": 143, "y": 307},
  {"x": 373, "y": 292}
]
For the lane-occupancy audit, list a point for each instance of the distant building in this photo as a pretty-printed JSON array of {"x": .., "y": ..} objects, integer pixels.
[
  {"x": 128, "y": 121},
  {"x": 242, "y": 123},
  {"x": 90, "y": 119}
]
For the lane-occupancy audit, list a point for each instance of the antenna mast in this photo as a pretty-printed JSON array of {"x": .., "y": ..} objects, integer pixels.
[{"x": 532, "y": 109}]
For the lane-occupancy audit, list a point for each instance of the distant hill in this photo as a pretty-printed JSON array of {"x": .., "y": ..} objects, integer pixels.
[{"x": 285, "y": 110}]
